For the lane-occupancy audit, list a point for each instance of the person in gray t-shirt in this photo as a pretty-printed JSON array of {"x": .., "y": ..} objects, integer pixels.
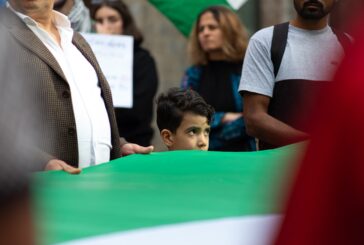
[{"x": 276, "y": 102}]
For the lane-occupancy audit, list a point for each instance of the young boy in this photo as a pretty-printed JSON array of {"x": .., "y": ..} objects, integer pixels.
[{"x": 183, "y": 119}]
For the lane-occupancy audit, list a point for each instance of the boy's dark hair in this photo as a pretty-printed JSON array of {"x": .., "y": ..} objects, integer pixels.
[{"x": 172, "y": 105}]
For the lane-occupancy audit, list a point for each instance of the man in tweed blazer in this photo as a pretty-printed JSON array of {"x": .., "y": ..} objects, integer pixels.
[{"x": 37, "y": 36}]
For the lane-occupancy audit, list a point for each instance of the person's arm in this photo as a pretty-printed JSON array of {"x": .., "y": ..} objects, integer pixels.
[
  {"x": 256, "y": 86},
  {"x": 261, "y": 125},
  {"x": 221, "y": 118},
  {"x": 231, "y": 116}
]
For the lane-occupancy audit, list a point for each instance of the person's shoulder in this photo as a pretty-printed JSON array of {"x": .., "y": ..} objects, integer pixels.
[
  {"x": 3, "y": 11},
  {"x": 2, "y": 24},
  {"x": 263, "y": 34},
  {"x": 194, "y": 69},
  {"x": 141, "y": 50},
  {"x": 142, "y": 55},
  {"x": 261, "y": 39},
  {"x": 193, "y": 73},
  {"x": 8, "y": 18}
]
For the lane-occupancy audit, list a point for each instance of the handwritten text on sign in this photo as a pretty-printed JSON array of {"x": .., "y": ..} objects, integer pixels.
[{"x": 115, "y": 56}]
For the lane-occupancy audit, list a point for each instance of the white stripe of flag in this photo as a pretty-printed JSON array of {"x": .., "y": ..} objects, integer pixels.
[
  {"x": 248, "y": 230},
  {"x": 236, "y": 4}
]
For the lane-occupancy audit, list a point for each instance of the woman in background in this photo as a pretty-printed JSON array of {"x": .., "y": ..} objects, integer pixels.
[
  {"x": 216, "y": 48},
  {"x": 113, "y": 17}
]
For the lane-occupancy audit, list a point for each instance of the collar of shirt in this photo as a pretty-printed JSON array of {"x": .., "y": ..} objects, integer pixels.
[{"x": 60, "y": 20}]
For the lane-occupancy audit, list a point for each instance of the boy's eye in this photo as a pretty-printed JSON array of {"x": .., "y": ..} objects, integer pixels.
[
  {"x": 207, "y": 131},
  {"x": 193, "y": 131}
]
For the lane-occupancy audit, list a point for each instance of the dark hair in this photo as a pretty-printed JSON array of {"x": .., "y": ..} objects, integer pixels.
[
  {"x": 129, "y": 26},
  {"x": 172, "y": 105}
]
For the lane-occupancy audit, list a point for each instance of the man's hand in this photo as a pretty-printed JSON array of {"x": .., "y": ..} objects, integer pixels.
[
  {"x": 56, "y": 164},
  {"x": 129, "y": 148}
]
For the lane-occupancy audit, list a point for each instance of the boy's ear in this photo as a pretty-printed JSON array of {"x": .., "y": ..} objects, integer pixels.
[{"x": 167, "y": 137}]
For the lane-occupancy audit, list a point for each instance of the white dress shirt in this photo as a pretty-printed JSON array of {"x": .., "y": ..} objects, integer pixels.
[{"x": 92, "y": 121}]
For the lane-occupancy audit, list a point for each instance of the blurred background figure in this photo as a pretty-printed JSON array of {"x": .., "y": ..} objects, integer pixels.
[
  {"x": 326, "y": 205},
  {"x": 77, "y": 13},
  {"x": 18, "y": 157},
  {"x": 2, "y": 3},
  {"x": 16, "y": 216},
  {"x": 113, "y": 17},
  {"x": 216, "y": 48}
]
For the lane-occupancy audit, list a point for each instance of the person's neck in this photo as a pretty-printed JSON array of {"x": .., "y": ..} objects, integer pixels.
[
  {"x": 216, "y": 55},
  {"x": 46, "y": 22},
  {"x": 310, "y": 24}
]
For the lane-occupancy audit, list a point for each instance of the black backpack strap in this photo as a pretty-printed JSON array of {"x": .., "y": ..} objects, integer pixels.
[
  {"x": 279, "y": 42},
  {"x": 344, "y": 39}
]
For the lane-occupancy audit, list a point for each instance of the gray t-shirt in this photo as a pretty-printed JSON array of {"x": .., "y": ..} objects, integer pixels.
[{"x": 309, "y": 55}]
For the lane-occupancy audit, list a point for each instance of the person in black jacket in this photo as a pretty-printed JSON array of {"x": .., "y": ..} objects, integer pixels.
[{"x": 114, "y": 17}]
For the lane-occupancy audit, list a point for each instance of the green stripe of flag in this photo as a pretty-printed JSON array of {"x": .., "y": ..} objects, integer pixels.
[
  {"x": 182, "y": 13},
  {"x": 142, "y": 191}
]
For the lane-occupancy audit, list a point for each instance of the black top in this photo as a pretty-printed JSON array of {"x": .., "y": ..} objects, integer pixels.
[
  {"x": 135, "y": 124},
  {"x": 216, "y": 86}
]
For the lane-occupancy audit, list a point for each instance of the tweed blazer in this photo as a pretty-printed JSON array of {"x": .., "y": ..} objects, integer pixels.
[{"x": 52, "y": 122}]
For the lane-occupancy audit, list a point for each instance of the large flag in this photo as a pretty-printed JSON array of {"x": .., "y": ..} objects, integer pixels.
[
  {"x": 180, "y": 197},
  {"x": 183, "y": 13}
]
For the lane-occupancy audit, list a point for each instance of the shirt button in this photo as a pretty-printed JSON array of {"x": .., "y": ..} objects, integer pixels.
[
  {"x": 71, "y": 131},
  {"x": 66, "y": 94}
]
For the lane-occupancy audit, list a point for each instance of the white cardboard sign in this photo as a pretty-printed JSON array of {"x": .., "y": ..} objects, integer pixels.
[{"x": 115, "y": 56}]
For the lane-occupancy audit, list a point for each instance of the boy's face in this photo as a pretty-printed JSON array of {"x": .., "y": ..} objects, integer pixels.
[{"x": 192, "y": 134}]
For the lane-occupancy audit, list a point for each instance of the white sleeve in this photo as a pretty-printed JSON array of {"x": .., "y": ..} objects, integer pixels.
[{"x": 257, "y": 74}]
